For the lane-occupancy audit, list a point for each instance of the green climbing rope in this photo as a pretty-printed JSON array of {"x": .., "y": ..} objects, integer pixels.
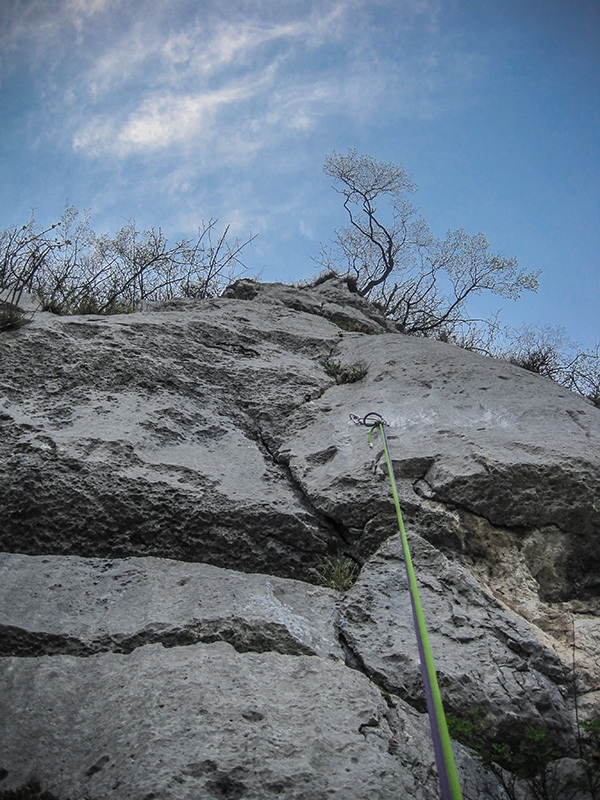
[{"x": 447, "y": 773}]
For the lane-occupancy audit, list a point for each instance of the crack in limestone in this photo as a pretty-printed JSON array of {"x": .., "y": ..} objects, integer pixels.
[
  {"x": 244, "y": 637},
  {"x": 354, "y": 660},
  {"x": 328, "y": 522}
]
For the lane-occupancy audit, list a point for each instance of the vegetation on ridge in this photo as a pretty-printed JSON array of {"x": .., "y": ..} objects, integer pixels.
[
  {"x": 387, "y": 253},
  {"x": 72, "y": 270},
  {"x": 390, "y": 256},
  {"x": 421, "y": 283}
]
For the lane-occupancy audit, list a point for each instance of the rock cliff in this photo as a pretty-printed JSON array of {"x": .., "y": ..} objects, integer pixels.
[{"x": 174, "y": 485}]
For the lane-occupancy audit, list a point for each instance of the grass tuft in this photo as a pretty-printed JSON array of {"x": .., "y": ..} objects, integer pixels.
[
  {"x": 11, "y": 317},
  {"x": 336, "y": 572},
  {"x": 345, "y": 373}
]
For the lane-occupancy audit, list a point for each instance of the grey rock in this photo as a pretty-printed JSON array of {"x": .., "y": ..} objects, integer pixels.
[
  {"x": 493, "y": 463},
  {"x": 141, "y": 435},
  {"x": 486, "y": 659},
  {"x": 70, "y": 605},
  {"x": 170, "y": 480},
  {"x": 330, "y": 298},
  {"x": 468, "y": 434},
  {"x": 206, "y": 722}
]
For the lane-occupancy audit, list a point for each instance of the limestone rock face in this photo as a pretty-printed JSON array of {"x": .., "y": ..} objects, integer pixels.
[
  {"x": 205, "y": 721},
  {"x": 175, "y": 483},
  {"x": 106, "y": 420},
  {"x": 485, "y": 659},
  {"x": 130, "y": 602}
]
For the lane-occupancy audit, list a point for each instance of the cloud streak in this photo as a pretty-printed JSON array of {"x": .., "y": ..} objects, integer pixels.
[
  {"x": 162, "y": 120},
  {"x": 245, "y": 81},
  {"x": 204, "y": 48},
  {"x": 180, "y": 93},
  {"x": 190, "y": 78},
  {"x": 180, "y": 88}
]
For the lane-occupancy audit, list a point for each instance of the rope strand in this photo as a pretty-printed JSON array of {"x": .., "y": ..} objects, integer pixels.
[{"x": 444, "y": 757}]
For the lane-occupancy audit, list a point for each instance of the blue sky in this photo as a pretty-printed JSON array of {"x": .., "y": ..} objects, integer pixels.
[{"x": 174, "y": 111}]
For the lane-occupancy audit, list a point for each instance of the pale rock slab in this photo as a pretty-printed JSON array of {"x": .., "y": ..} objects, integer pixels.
[
  {"x": 207, "y": 722},
  {"x": 486, "y": 659},
  {"x": 72, "y": 605},
  {"x": 465, "y": 432},
  {"x": 141, "y": 435}
]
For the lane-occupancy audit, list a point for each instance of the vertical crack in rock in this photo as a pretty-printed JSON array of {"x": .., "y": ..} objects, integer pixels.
[
  {"x": 354, "y": 660},
  {"x": 390, "y": 694},
  {"x": 136, "y": 441},
  {"x": 329, "y": 522}
]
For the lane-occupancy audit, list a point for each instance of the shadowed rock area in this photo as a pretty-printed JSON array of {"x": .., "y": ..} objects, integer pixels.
[{"x": 175, "y": 483}]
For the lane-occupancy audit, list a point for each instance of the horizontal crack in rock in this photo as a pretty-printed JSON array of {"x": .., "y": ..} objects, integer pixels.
[{"x": 245, "y": 638}]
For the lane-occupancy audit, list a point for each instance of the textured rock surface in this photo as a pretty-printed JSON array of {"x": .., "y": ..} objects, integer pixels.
[
  {"x": 79, "y": 606},
  {"x": 205, "y": 721},
  {"x": 170, "y": 480},
  {"x": 470, "y": 434},
  {"x": 161, "y": 410},
  {"x": 330, "y": 299},
  {"x": 485, "y": 658}
]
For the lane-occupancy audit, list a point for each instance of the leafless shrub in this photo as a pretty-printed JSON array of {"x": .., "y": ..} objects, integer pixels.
[
  {"x": 74, "y": 271},
  {"x": 545, "y": 350}
]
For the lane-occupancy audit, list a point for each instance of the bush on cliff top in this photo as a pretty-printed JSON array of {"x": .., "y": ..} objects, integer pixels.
[{"x": 72, "y": 270}]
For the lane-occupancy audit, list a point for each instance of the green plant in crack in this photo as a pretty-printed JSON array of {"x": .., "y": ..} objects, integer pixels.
[
  {"x": 589, "y": 751},
  {"x": 336, "y": 572},
  {"x": 345, "y": 373},
  {"x": 11, "y": 317},
  {"x": 529, "y": 767},
  {"x": 467, "y": 730}
]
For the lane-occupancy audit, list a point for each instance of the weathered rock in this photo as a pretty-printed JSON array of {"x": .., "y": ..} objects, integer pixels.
[
  {"x": 217, "y": 433},
  {"x": 468, "y": 433},
  {"x": 487, "y": 660},
  {"x": 141, "y": 436},
  {"x": 492, "y": 462},
  {"x": 207, "y": 722},
  {"x": 331, "y": 298},
  {"x": 69, "y": 605}
]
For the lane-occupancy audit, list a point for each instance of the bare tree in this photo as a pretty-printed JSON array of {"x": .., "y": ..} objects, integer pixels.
[
  {"x": 548, "y": 351},
  {"x": 583, "y": 374},
  {"x": 24, "y": 252},
  {"x": 74, "y": 271},
  {"x": 420, "y": 282}
]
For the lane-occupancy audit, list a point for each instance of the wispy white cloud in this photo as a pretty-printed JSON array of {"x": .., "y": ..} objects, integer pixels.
[
  {"x": 83, "y": 13},
  {"x": 180, "y": 93},
  {"x": 204, "y": 48},
  {"x": 168, "y": 119},
  {"x": 178, "y": 87},
  {"x": 89, "y": 8},
  {"x": 217, "y": 90},
  {"x": 118, "y": 66},
  {"x": 43, "y": 30}
]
